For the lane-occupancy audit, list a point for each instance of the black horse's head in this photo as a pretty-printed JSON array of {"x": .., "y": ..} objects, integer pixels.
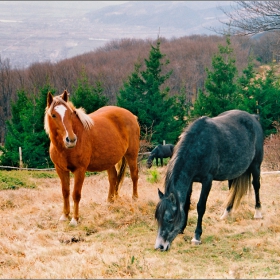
[
  {"x": 149, "y": 162},
  {"x": 168, "y": 216}
]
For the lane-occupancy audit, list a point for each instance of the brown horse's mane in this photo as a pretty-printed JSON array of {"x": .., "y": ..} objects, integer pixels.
[{"x": 80, "y": 112}]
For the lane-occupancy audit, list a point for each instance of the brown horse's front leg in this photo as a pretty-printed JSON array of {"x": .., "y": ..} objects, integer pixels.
[
  {"x": 65, "y": 187},
  {"x": 79, "y": 176}
]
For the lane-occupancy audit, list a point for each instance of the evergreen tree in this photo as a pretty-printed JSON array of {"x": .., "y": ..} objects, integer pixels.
[
  {"x": 246, "y": 89},
  {"x": 220, "y": 94},
  {"x": 87, "y": 96},
  {"x": 26, "y": 130},
  {"x": 36, "y": 143},
  {"x": 15, "y": 130},
  {"x": 225, "y": 91},
  {"x": 261, "y": 96},
  {"x": 143, "y": 95}
]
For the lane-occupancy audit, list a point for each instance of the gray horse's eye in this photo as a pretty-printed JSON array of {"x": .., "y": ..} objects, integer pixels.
[{"x": 169, "y": 218}]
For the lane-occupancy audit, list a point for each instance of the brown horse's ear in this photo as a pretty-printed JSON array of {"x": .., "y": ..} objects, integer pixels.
[
  {"x": 49, "y": 99},
  {"x": 64, "y": 95}
]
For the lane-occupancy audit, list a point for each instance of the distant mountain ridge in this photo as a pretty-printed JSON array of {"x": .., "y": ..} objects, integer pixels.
[
  {"x": 170, "y": 14},
  {"x": 40, "y": 31}
]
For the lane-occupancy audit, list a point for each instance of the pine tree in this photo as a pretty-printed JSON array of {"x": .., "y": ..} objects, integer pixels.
[
  {"x": 15, "y": 130},
  {"x": 26, "y": 130},
  {"x": 220, "y": 87},
  {"x": 261, "y": 96},
  {"x": 226, "y": 91},
  {"x": 87, "y": 96},
  {"x": 35, "y": 151},
  {"x": 143, "y": 95},
  {"x": 246, "y": 89}
]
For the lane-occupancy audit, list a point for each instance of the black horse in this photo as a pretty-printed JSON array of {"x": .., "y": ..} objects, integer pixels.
[
  {"x": 226, "y": 147},
  {"x": 160, "y": 152}
]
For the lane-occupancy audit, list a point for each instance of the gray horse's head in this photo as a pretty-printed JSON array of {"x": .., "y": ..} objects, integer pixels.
[{"x": 168, "y": 216}]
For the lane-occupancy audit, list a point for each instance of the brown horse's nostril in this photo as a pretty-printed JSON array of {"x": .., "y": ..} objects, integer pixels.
[{"x": 68, "y": 140}]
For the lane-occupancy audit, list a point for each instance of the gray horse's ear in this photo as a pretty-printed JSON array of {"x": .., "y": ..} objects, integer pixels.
[
  {"x": 172, "y": 198},
  {"x": 160, "y": 194}
]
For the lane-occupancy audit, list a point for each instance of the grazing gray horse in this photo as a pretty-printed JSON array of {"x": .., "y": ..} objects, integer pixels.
[{"x": 226, "y": 147}]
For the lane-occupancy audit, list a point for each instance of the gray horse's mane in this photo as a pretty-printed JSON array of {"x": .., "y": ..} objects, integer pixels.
[{"x": 189, "y": 132}]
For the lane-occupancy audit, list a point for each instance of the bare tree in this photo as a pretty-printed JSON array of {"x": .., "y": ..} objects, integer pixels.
[
  {"x": 252, "y": 17},
  {"x": 5, "y": 93}
]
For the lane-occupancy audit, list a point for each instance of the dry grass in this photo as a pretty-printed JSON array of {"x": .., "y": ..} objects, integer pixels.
[{"x": 117, "y": 240}]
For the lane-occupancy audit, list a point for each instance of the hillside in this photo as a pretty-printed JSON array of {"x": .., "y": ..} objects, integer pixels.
[
  {"x": 113, "y": 63},
  {"x": 117, "y": 240}
]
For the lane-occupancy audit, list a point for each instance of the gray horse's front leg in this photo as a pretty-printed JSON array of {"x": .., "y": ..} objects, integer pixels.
[{"x": 201, "y": 207}]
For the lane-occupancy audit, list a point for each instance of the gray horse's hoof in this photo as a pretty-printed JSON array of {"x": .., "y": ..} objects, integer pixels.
[
  {"x": 195, "y": 241},
  {"x": 258, "y": 214}
]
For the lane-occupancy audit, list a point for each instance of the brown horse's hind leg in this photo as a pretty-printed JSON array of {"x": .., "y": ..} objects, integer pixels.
[
  {"x": 133, "y": 167},
  {"x": 112, "y": 176},
  {"x": 65, "y": 187}
]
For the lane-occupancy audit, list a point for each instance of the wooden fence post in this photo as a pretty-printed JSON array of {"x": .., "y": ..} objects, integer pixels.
[{"x": 20, "y": 158}]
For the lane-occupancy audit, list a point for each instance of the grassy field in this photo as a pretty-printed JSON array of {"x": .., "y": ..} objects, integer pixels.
[{"x": 117, "y": 240}]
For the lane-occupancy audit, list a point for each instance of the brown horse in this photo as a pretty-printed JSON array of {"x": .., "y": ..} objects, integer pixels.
[{"x": 107, "y": 139}]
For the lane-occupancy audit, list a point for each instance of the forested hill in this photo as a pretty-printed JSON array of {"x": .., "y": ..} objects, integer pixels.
[{"x": 112, "y": 64}]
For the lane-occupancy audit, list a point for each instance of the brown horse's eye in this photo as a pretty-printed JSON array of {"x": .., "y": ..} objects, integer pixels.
[{"x": 53, "y": 116}]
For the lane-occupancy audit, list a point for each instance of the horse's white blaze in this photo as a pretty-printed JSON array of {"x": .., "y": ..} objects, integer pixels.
[
  {"x": 61, "y": 109},
  {"x": 160, "y": 242},
  {"x": 225, "y": 214},
  {"x": 258, "y": 214}
]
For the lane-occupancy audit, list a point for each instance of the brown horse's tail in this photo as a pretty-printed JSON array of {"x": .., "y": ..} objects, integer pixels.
[
  {"x": 238, "y": 189},
  {"x": 120, "y": 166}
]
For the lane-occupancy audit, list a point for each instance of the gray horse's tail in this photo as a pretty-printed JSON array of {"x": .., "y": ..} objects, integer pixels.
[
  {"x": 120, "y": 166},
  {"x": 240, "y": 186}
]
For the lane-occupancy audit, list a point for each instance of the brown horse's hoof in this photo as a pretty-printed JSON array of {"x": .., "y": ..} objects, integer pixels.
[
  {"x": 134, "y": 197},
  {"x": 64, "y": 218},
  {"x": 73, "y": 222},
  {"x": 111, "y": 199}
]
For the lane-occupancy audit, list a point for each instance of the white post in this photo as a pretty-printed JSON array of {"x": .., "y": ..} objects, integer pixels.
[
  {"x": 163, "y": 142},
  {"x": 20, "y": 158}
]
